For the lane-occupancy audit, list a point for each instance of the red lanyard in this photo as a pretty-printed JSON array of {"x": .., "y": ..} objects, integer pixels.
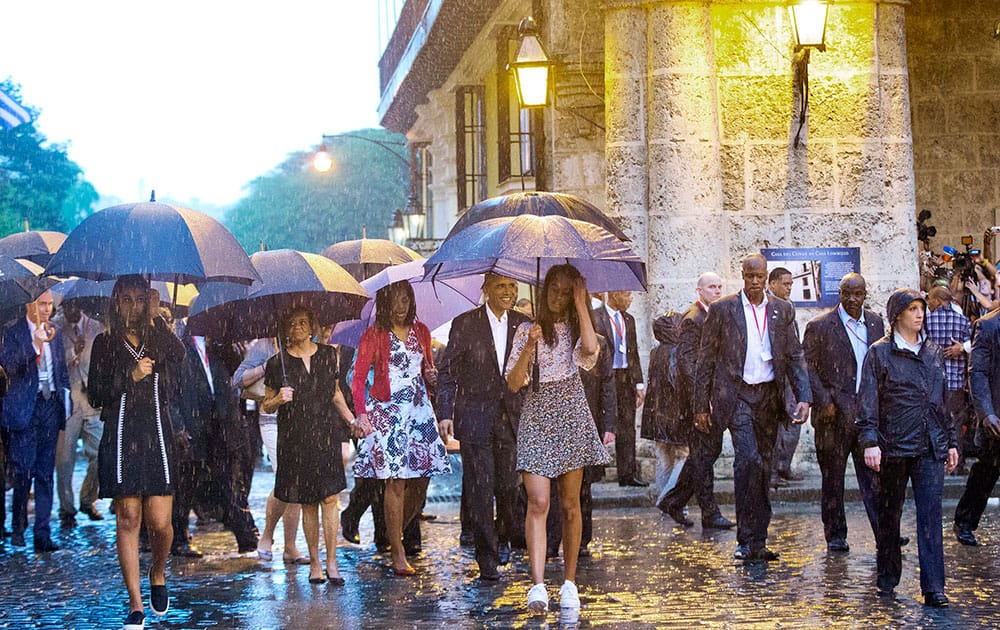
[
  {"x": 201, "y": 351},
  {"x": 614, "y": 322},
  {"x": 756, "y": 323},
  {"x": 850, "y": 329}
]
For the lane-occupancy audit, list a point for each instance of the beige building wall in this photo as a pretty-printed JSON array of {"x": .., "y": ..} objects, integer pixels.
[{"x": 954, "y": 62}]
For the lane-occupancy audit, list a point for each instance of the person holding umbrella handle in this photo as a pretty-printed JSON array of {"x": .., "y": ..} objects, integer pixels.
[{"x": 556, "y": 436}]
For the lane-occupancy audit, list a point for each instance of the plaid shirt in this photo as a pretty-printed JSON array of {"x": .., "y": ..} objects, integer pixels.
[{"x": 942, "y": 326}]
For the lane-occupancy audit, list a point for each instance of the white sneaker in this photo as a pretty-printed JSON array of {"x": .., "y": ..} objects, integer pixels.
[
  {"x": 568, "y": 596},
  {"x": 538, "y": 599}
]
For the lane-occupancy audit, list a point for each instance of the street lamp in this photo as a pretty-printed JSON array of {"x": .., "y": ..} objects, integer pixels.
[
  {"x": 414, "y": 219},
  {"x": 531, "y": 67},
  {"x": 397, "y": 230},
  {"x": 809, "y": 25}
]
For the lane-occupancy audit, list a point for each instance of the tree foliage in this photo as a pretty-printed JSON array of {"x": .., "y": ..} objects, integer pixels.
[
  {"x": 38, "y": 182},
  {"x": 293, "y": 206}
]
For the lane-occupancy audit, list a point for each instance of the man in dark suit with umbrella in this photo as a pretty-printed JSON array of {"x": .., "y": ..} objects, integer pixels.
[
  {"x": 615, "y": 323},
  {"x": 835, "y": 346},
  {"x": 33, "y": 414},
  {"x": 748, "y": 349},
  {"x": 477, "y": 407}
]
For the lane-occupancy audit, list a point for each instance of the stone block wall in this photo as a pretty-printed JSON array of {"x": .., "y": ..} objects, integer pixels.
[{"x": 954, "y": 63}]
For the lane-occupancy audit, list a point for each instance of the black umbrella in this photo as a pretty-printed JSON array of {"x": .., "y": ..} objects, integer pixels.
[
  {"x": 34, "y": 245},
  {"x": 540, "y": 204},
  {"x": 365, "y": 257},
  {"x": 154, "y": 240},
  {"x": 19, "y": 285}
]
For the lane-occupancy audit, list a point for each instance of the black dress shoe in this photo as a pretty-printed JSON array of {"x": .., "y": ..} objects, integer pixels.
[
  {"x": 17, "y": 539},
  {"x": 503, "y": 554},
  {"x": 965, "y": 535},
  {"x": 412, "y": 549},
  {"x": 489, "y": 576},
  {"x": 632, "y": 481},
  {"x": 45, "y": 545},
  {"x": 888, "y": 593},
  {"x": 186, "y": 550},
  {"x": 717, "y": 522},
  {"x": 678, "y": 515},
  {"x": 937, "y": 600},
  {"x": 778, "y": 482},
  {"x": 92, "y": 513},
  {"x": 350, "y": 532},
  {"x": 763, "y": 555},
  {"x": 742, "y": 552},
  {"x": 67, "y": 521},
  {"x": 904, "y": 541},
  {"x": 838, "y": 545},
  {"x": 788, "y": 475}
]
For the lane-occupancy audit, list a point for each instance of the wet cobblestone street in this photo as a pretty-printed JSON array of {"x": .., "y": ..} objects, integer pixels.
[{"x": 644, "y": 573}]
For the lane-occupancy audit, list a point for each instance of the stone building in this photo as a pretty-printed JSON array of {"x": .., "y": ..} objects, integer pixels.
[{"x": 680, "y": 118}]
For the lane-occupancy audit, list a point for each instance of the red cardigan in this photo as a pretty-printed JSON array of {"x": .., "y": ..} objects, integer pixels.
[{"x": 373, "y": 349}]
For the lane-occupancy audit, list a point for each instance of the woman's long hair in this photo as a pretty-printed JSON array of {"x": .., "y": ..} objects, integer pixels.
[
  {"x": 383, "y": 304},
  {"x": 546, "y": 318},
  {"x": 116, "y": 324}
]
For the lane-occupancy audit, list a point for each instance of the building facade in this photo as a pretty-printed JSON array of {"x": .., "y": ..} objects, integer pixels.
[{"x": 683, "y": 121}]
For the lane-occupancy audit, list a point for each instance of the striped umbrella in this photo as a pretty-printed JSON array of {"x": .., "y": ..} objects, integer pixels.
[{"x": 38, "y": 246}]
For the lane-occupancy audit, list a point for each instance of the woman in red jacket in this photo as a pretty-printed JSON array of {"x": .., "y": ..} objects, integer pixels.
[{"x": 401, "y": 443}]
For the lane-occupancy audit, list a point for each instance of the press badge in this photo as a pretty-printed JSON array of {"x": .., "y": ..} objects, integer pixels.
[
  {"x": 765, "y": 355},
  {"x": 621, "y": 348}
]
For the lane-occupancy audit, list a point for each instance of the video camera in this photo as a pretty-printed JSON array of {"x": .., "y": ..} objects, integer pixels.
[{"x": 964, "y": 263}]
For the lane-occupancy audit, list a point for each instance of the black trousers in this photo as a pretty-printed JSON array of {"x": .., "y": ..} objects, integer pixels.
[
  {"x": 195, "y": 481},
  {"x": 753, "y": 428},
  {"x": 697, "y": 477},
  {"x": 3, "y": 483},
  {"x": 927, "y": 476},
  {"x": 553, "y": 523},
  {"x": 836, "y": 438},
  {"x": 982, "y": 478},
  {"x": 625, "y": 426},
  {"x": 368, "y": 493},
  {"x": 785, "y": 445},
  {"x": 489, "y": 479}
]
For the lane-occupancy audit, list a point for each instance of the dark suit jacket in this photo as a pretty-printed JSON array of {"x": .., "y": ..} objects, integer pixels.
[
  {"x": 19, "y": 360},
  {"x": 472, "y": 390},
  {"x": 205, "y": 416},
  {"x": 687, "y": 353},
  {"x": 723, "y": 351},
  {"x": 984, "y": 369},
  {"x": 603, "y": 326},
  {"x": 599, "y": 386},
  {"x": 831, "y": 363}
]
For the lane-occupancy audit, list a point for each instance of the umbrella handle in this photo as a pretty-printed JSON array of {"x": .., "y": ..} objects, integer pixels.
[
  {"x": 536, "y": 382},
  {"x": 281, "y": 356}
]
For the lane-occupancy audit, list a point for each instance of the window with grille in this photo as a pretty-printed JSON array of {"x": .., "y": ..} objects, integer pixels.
[
  {"x": 470, "y": 127},
  {"x": 425, "y": 177}
]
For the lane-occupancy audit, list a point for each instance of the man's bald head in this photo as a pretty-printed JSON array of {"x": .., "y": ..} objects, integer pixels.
[
  {"x": 754, "y": 277},
  {"x": 709, "y": 287}
]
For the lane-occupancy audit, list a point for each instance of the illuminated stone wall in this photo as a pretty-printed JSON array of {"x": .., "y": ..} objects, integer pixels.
[{"x": 954, "y": 64}]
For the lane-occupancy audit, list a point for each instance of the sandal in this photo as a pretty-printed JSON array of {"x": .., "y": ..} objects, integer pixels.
[{"x": 296, "y": 559}]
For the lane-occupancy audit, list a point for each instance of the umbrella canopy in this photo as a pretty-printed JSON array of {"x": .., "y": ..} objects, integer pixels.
[
  {"x": 93, "y": 296},
  {"x": 526, "y": 246},
  {"x": 20, "y": 282},
  {"x": 34, "y": 245},
  {"x": 540, "y": 204},
  {"x": 155, "y": 240},
  {"x": 437, "y": 302},
  {"x": 288, "y": 279},
  {"x": 364, "y": 257}
]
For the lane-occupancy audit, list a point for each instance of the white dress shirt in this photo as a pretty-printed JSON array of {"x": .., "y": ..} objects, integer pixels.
[
  {"x": 498, "y": 326},
  {"x": 199, "y": 344},
  {"x": 758, "y": 367}
]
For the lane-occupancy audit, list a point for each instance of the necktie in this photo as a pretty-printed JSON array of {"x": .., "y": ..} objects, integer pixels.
[{"x": 46, "y": 383}]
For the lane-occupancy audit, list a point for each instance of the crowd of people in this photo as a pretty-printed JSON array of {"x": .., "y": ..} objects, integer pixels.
[{"x": 173, "y": 423}]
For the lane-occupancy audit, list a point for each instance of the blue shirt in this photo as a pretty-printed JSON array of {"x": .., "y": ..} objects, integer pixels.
[{"x": 857, "y": 333}]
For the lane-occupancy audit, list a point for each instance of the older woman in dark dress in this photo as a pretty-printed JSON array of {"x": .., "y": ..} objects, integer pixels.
[
  {"x": 313, "y": 420},
  {"x": 128, "y": 369}
]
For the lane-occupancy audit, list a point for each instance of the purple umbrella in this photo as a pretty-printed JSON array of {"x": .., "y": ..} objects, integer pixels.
[
  {"x": 437, "y": 302},
  {"x": 364, "y": 257},
  {"x": 526, "y": 246}
]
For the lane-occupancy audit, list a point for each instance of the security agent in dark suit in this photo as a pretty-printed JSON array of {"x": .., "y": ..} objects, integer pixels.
[
  {"x": 34, "y": 411},
  {"x": 477, "y": 408},
  {"x": 613, "y": 322},
  {"x": 984, "y": 381},
  {"x": 697, "y": 476},
  {"x": 740, "y": 367},
  {"x": 599, "y": 387},
  {"x": 210, "y": 415},
  {"x": 835, "y": 346}
]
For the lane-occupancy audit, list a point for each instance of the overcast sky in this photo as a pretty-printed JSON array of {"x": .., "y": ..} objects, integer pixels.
[{"x": 194, "y": 99}]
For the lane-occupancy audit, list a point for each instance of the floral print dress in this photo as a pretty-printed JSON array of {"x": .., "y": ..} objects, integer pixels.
[{"x": 404, "y": 443}]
